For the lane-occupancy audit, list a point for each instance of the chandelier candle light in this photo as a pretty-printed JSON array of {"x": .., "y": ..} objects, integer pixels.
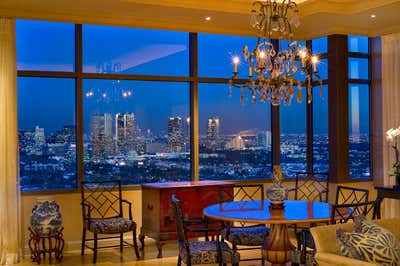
[{"x": 272, "y": 71}]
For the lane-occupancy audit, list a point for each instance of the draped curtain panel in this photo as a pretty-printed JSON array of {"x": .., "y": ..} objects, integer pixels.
[
  {"x": 10, "y": 241},
  {"x": 390, "y": 109}
]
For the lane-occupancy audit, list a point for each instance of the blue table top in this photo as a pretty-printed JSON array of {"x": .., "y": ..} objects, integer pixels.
[{"x": 257, "y": 211}]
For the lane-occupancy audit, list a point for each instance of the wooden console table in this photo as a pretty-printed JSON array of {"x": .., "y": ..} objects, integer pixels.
[
  {"x": 157, "y": 214},
  {"x": 388, "y": 192}
]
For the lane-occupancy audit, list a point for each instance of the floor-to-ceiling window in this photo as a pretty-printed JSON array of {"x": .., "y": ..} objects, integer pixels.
[
  {"x": 359, "y": 107},
  {"x": 99, "y": 102},
  {"x": 320, "y": 138}
]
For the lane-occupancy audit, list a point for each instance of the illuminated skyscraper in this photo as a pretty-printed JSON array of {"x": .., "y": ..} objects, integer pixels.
[
  {"x": 264, "y": 139},
  {"x": 236, "y": 143},
  {"x": 213, "y": 126},
  {"x": 176, "y": 142},
  {"x": 187, "y": 134},
  {"x": 35, "y": 141},
  {"x": 101, "y": 133},
  {"x": 124, "y": 132}
]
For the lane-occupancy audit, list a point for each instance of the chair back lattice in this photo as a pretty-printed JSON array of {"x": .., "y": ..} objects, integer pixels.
[
  {"x": 104, "y": 198},
  {"x": 241, "y": 193},
  {"x": 249, "y": 193},
  {"x": 180, "y": 226},
  {"x": 351, "y": 195},
  {"x": 311, "y": 186},
  {"x": 342, "y": 213}
]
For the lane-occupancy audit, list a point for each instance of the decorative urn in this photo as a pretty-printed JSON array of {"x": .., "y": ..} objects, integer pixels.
[
  {"x": 277, "y": 192},
  {"x": 46, "y": 217}
]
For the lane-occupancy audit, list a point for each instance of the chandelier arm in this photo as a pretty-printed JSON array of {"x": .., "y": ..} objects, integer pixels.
[
  {"x": 284, "y": 8},
  {"x": 289, "y": 32}
]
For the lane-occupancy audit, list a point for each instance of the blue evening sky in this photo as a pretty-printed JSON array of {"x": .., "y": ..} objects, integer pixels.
[{"x": 50, "y": 103}]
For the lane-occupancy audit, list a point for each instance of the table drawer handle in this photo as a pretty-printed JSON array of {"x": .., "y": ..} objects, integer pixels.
[{"x": 150, "y": 207}]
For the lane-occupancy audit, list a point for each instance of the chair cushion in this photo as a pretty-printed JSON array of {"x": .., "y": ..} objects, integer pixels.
[
  {"x": 111, "y": 225},
  {"x": 247, "y": 236},
  {"x": 205, "y": 252},
  {"x": 382, "y": 249}
]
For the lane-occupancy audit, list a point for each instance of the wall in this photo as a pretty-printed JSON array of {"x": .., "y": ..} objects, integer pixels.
[{"x": 72, "y": 216}]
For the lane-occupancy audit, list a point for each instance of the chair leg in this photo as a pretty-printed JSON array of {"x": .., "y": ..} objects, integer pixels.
[
  {"x": 135, "y": 245},
  {"x": 83, "y": 241},
  {"x": 304, "y": 249},
  {"x": 121, "y": 242},
  {"x": 94, "y": 247},
  {"x": 179, "y": 263}
]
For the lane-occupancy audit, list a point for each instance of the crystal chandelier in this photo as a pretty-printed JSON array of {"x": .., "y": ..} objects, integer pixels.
[{"x": 275, "y": 73}]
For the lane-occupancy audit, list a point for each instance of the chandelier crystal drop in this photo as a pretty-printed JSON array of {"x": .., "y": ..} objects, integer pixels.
[{"x": 275, "y": 73}]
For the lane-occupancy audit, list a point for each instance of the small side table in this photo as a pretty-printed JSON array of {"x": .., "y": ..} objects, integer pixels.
[
  {"x": 387, "y": 192},
  {"x": 41, "y": 245}
]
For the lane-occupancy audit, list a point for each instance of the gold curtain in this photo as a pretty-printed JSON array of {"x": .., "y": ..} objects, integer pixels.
[
  {"x": 10, "y": 244},
  {"x": 390, "y": 109}
]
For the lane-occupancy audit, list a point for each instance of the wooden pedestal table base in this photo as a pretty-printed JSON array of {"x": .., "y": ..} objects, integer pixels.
[{"x": 278, "y": 248}]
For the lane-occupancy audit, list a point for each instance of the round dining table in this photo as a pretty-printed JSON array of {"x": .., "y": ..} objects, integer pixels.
[{"x": 277, "y": 247}]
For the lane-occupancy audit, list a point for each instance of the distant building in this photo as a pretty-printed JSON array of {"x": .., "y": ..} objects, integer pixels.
[
  {"x": 213, "y": 138},
  {"x": 264, "y": 139},
  {"x": 155, "y": 147},
  {"x": 176, "y": 142},
  {"x": 33, "y": 142},
  {"x": 236, "y": 143},
  {"x": 124, "y": 132},
  {"x": 101, "y": 135},
  {"x": 187, "y": 134}
]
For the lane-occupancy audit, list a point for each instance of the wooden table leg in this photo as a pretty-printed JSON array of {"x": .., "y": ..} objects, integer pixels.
[{"x": 278, "y": 248}]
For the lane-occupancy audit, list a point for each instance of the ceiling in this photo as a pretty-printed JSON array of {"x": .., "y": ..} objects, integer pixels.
[{"x": 318, "y": 17}]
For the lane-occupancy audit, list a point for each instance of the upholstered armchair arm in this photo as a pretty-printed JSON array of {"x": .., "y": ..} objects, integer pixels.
[
  {"x": 86, "y": 210},
  {"x": 325, "y": 259},
  {"x": 129, "y": 207}
]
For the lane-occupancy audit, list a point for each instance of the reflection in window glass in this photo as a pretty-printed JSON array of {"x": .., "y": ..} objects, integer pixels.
[
  {"x": 235, "y": 139},
  {"x": 358, "y": 68},
  {"x": 35, "y": 37},
  {"x": 320, "y": 130},
  {"x": 322, "y": 68},
  {"x": 320, "y": 45},
  {"x": 358, "y": 44},
  {"x": 216, "y": 53},
  {"x": 137, "y": 131},
  {"x": 47, "y": 139},
  {"x": 135, "y": 51},
  {"x": 293, "y": 136},
  {"x": 359, "y": 131}
]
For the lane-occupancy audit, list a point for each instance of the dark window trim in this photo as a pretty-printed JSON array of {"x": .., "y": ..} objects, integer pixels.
[{"x": 194, "y": 79}]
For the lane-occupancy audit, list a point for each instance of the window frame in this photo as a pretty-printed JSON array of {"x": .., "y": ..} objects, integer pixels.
[{"x": 194, "y": 80}]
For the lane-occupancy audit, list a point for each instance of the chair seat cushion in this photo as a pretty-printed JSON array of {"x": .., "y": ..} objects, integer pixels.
[
  {"x": 247, "y": 236},
  {"x": 205, "y": 252},
  {"x": 111, "y": 225}
]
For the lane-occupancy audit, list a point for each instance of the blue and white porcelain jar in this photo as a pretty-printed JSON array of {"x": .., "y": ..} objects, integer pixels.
[{"x": 46, "y": 217}]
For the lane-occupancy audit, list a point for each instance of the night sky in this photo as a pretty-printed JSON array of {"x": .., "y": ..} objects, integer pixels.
[{"x": 50, "y": 103}]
